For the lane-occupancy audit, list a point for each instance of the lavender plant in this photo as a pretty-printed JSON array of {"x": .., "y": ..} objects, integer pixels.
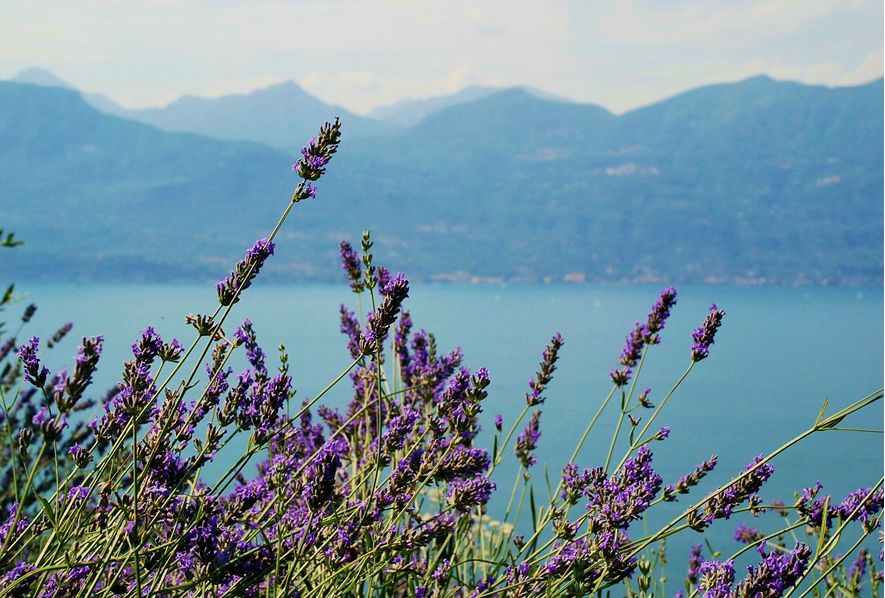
[{"x": 387, "y": 497}]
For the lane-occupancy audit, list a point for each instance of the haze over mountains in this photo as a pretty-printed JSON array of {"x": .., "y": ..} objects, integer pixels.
[{"x": 754, "y": 182}]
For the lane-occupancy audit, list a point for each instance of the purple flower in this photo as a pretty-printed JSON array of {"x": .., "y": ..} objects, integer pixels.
[
  {"x": 630, "y": 355},
  {"x": 29, "y": 313},
  {"x": 747, "y": 535},
  {"x": 581, "y": 558},
  {"x": 463, "y": 495},
  {"x": 34, "y": 373},
  {"x": 211, "y": 396},
  {"x": 461, "y": 462},
  {"x": 518, "y": 576},
  {"x": 350, "y": 263},
  {"x": 694, "y": 563},
  {"x": 620, "y": 376},
  {"x": 855, "y": 507},
  {"x": 416, "y": 534},
  {"x": 704, "y": 336},
  {"x": 304, "y": 190},
  {"x": 50, "y": 427},
  {"x": 319, "y": 478},
  {"x": 459, "y": 403},
  {"x": 527, "y": 441},
  {"x": 317, "y": 153},
  {"x": 245, "y": 335},
  {"x": 60, "y": 334},
  {"x": 442, "y": 571},
  {"x": 716, "y": 578},
  {"x": 643, "y": 334},
  {"x": 483, "y": 586},
  {"x": 776, "y": 573},
  {"x": 171, "y": 352},
  {"x": 13, "y": 574},
  {"x": 690, "y": 479},
  {"x": 148, "y": 346},
  {"x": 78, "y": 494},
  {"x": 539, "y": 383},
  {"x": 87, "y": 363},
  {"x": 79, "y": 455},
  {"x": 382, "y": 277},
  {"x": 659, "y": 313},
  {"x": 244, "y": 272},
  {"x": 6, "y": 347},
  {"x": 575, "y": 484},
  {"x": 499, "y": 422},
  {"x": 858, "y": 570},
  {"x": 6, "y": 528},
  {"x": 380, "y": 321},
  {"x": 399, "y": 490},
  {"x": 852, "y": 506},
  {"x": 642, "y": 398},
  {"x": 626, "y": 494},
  {"x": 351, "y": 328},
  {"x": 401, "y": 340},
  {"x": 720, "y": 504},
  {"x": 398, "y": 428},
  {"x": 812, "y": 508},
  {"x": 633, "y": 345}
]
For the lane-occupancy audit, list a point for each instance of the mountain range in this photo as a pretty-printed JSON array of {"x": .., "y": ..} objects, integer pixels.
[{"x": 755, "y": 182}]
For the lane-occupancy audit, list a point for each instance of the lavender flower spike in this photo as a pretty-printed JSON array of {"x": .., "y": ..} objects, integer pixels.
[
  {"x": 465, "y": 494},
  {"x": 317, "y": 153},
  {"x": 545, "y": 373},
  {"x": 34, "y": 372},
  {"x": 659, "y": 313},
  {"x": 721, "y": 504},
  {"x": 380, "y": 321},
  {"x": 643, "y": 334},
  {"x": 245, "y": 271},
  {"x": 527, "y": 441},
  {"x": 87, "y": 363},
  {"x": 716, "y": 578},
  {"x": 776, "y": 573},
  {"x": 694, "y": 563},
  {"x": 703, "y": 336},
  {"x": 350, "y": 263}
]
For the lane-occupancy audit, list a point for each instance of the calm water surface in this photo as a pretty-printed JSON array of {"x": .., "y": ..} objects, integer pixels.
[{"x": 779, "y": 354}]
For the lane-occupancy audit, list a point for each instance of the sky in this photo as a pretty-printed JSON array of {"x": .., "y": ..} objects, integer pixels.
[{"x": 365, "y": 53}]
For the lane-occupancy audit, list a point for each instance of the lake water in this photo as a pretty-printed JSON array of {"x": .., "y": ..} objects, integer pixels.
[{"x": 778, "y": 355}]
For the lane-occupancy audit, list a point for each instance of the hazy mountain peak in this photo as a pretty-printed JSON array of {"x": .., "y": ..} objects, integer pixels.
[
  {"x": 411, "y": 111},
  {"x": 545, "y": 95},
  {"x": 287, "y": 86},
  {"x": 40, "y": 76},
  {"x": 282, "y": 115},
  {"x": 45, "y": 78}
]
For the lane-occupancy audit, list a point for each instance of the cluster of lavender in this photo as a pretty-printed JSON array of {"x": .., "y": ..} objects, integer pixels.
[
  {"x": 775, "y": 574},
  {"x": 387, "y": 496},
  {"x": 46, "y": 406}
]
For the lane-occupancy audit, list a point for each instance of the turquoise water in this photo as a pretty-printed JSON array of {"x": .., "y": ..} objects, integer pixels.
[{"x": 779, "y": 354}]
